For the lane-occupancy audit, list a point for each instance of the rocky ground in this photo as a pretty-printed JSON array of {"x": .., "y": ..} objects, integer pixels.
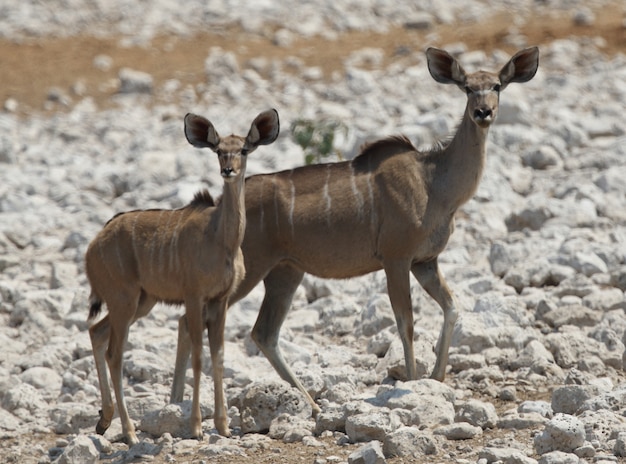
[{"x": 94, "y": 94}]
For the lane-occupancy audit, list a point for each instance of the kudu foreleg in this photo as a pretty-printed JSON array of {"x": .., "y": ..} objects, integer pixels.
[
  {"x": 193, "y": 311},
  {"x": 399, "y": 290},
  {"x": 430, "y": 278},
  {"x": 216, "y": 321},
  {"x": 183, "y": 351}
]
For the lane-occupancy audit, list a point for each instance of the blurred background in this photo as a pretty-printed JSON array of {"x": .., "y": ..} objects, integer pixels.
[{"x": 55, "y": 53}]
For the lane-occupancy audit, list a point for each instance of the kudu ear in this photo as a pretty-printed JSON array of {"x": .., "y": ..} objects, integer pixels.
[
  {"x": 200, "y": 132},
  {"x": 264, "y": 130},
  {"x": 521, "y": 68},
  {"x": 444, "y": 68}
]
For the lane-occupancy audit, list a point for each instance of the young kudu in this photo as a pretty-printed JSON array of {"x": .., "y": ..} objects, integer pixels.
[
  {"x": 189, "y": 256},
  {"x": 391, "y": 208}
]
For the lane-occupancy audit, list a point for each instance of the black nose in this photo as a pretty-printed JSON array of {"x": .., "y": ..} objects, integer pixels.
[
  {"x": 482, "y": 113},
  {"x": 226, "y": 172}
]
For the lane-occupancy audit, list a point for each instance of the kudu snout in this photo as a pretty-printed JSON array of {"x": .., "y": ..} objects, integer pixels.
[
  {"x": 227, "y": 171},
  {"x": 483, "y": 113}
]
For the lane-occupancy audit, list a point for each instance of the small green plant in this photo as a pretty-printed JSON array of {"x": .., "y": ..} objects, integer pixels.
[{"x": 317, "y": 138}]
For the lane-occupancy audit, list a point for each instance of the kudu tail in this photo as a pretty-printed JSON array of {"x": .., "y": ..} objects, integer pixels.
[{"x": 95, "y": 306}]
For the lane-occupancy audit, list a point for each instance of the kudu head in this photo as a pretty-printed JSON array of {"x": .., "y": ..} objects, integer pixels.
[
  {"x": 233, "y": 149},
  {"x": 483, "y": 88}
]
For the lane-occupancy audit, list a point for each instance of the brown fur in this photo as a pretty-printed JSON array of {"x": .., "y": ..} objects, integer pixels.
[
  {"x": 190, "y": 255},
  {"x": 391, "y": 208}
]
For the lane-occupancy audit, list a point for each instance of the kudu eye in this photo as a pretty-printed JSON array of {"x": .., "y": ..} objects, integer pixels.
[
  {"x": 497, "y": 87},
  {"x": 468, "y": 90}
]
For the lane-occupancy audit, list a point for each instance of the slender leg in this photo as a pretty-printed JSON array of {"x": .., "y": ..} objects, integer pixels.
[
  {"x": 216, "y": 320},
  {"x": 280, "y": 285},
  {"x": 431, "y": 279},
  {"x": 117, "y": 340},
  {"x": 399, "y": 289},
  {"x": 102, "y": 333},
  {"x": 99, "y": 334},
  {"x": 193, "y": 311},
  {"x": 183, "y": 350}
]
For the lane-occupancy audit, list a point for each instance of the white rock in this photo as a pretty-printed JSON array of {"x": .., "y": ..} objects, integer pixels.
[
  {"x": 459, "y": 431},
  {"x": 132, "y": 81},
  {"x": 143, "y": 365},
  {"x": 543, "y": 157},
  {"x": 42, "y": 378},
  {"x": 377, "y": 315},
  {"x": 477, "y": 413},
  {"x": 541, "y": 407},
  {"x": 81, "y": 449},
  {"x": 505, "y": 455},
  {"x": 371, "y": 453},
  {"x": 368, "y": 426},
  {"x": 559, "y": 457},
  {"x": 24, "y": 397},
  {"x": 432, "y": 412},
  {"x": 562, "y": 433},
  {"x": 173, "y": 419},
  {"x": 409, "y": 442},
  {"x": 72, "y": 417},
  {"x": 264, "y": 400}
]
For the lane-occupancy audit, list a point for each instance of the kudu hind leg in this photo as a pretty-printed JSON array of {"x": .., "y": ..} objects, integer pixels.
[
  {"x": 99, "y": 335},
  {"x": 117, "y": 341},
  {"x": 430, "y": 278},
  {"x": 280, "y": 286}
]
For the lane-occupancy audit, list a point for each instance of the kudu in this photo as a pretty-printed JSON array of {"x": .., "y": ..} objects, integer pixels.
[
  {"x": 189, "y": 256},
  {"x": 392, "y": 208}
]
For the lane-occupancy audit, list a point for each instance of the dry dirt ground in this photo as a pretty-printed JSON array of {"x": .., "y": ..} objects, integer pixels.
[{"x": 31, "y": 67}]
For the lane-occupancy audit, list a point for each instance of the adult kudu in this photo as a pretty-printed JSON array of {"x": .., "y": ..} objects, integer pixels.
[{"x": 392, "y": 207}]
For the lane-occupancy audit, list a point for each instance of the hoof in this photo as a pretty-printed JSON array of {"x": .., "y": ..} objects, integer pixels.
[
  {"x": 102, "y": 425},
  {"x": 225, "y": 432}
]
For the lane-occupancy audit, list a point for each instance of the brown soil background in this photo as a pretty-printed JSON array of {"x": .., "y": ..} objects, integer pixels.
[{"x": 30, "y": 67}]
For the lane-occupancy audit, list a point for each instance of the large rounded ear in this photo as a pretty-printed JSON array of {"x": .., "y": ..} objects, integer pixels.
[
  {"x": 521, "y": 68},
  {"x": 264, "y": 129},
  {"x": 445, "y": 68},
  {"x": 200, "y": 132}
]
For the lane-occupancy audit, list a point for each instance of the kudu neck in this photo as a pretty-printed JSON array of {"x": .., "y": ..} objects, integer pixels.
[
  {"x": 232, "y": 213},
  {"x": 463, "y": 160}
]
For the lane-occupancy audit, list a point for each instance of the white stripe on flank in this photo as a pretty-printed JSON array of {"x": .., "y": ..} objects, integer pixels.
[
  {"x": 357, "y": 195},
  {"x": 370, "y": 191},
  {"x": 292, "y": 204},
  {"x": 133, "y": 237},
  {"x": 261, "y": 203},
  {"x": 163, "y": 243},
  {"x": 326, "y": 194},
  {"x": 275, "y": 202},
  {"x": 153, "y": 244},
  {"x": 119, "y": 257},
  {"x": 174, "y": 258}
]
